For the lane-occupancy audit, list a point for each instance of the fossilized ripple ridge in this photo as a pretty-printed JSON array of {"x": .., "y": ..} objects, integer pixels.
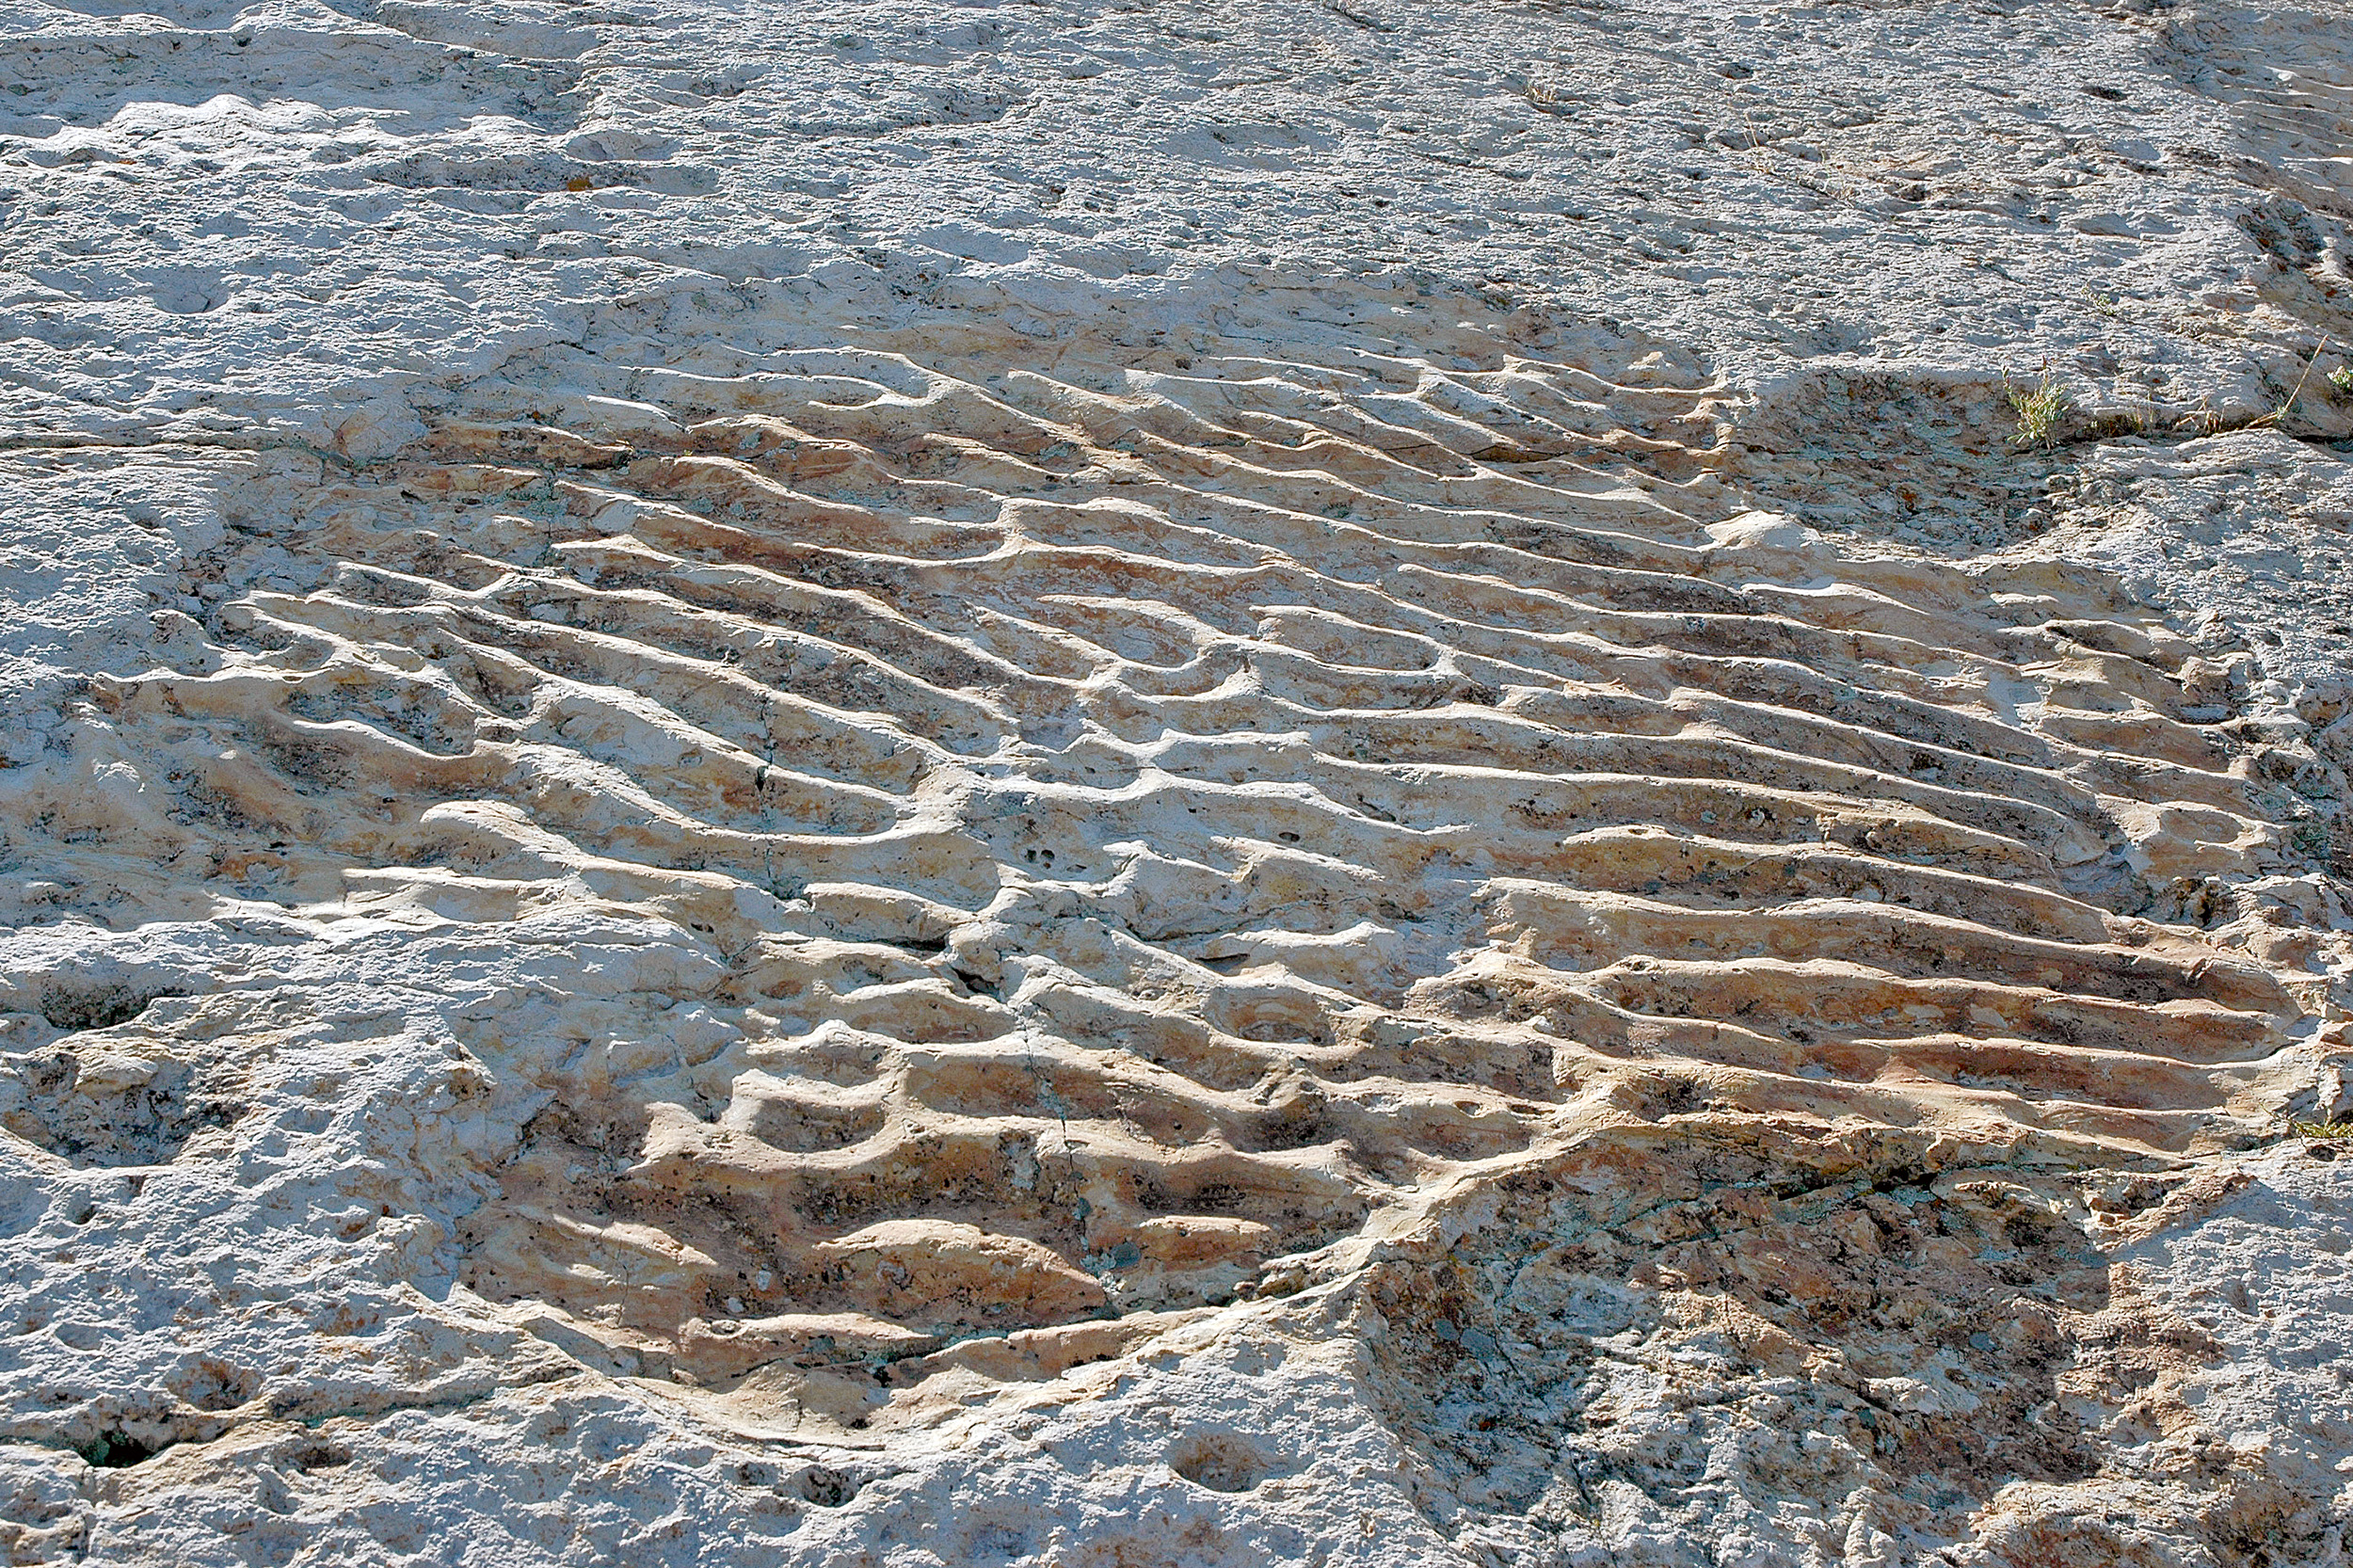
[{"x": 1166, "y": 817}]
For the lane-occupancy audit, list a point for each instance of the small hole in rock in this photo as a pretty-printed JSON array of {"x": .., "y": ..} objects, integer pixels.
[
  {"x": 114, "y": 1450},
  {"x": 826, "y": 1488},
  {"x": 99, "y": 1007},
  {"x": 1221, "y": 1463},
  {"x": 319, "y": 1456}
]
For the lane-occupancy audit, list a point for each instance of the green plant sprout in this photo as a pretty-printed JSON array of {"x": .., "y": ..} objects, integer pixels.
[{"x": 2038, "y": 408}]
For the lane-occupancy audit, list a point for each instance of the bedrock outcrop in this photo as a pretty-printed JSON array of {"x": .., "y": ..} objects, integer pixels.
[{"x": 1206, "y": 785}]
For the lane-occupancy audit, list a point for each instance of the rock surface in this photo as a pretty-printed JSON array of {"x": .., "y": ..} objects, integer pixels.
[{"x": 1200, "y": 783}]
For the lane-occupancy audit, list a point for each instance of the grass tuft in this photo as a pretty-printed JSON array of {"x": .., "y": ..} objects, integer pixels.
[{"x": 2038, "y": 408}]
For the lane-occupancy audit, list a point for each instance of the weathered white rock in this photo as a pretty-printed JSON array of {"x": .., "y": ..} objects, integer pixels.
[{"x": 1214, "y": 784}]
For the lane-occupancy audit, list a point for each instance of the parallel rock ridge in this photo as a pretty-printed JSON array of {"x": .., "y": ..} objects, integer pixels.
[
  {"x": 1167, "y": 820},
  {"x": 852, "y": 784}
]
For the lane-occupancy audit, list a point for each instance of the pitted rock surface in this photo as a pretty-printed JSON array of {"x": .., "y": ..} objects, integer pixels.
[{"x": 1214, "y": 785}]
